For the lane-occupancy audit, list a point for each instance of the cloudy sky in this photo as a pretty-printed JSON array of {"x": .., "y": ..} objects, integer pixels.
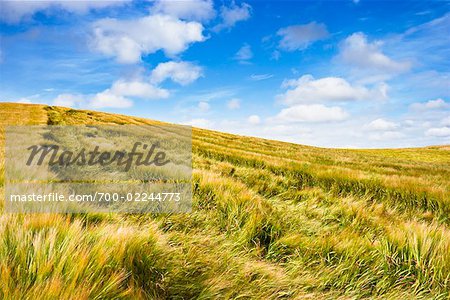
[{"x": 325, "y": 73}]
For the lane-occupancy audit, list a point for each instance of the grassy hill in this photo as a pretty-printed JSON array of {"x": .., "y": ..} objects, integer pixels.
[{"x": 270, "y": 220}]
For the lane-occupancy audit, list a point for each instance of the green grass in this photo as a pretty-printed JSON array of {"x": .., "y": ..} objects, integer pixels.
[{"x": 270, "y": 220}]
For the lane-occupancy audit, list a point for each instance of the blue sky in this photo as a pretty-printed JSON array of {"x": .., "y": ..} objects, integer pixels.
[{"x": 326, "y": 73}]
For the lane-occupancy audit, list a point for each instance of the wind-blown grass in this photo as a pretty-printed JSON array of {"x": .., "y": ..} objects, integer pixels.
[{"x": 270, "y": 220}]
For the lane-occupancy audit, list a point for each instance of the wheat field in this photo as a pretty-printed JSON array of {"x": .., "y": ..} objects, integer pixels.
[{"x": 270, "y": 220}]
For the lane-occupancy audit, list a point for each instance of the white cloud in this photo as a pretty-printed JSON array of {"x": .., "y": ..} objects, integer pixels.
[
  {"x": 69, "y": 100},
  {"x": 409, "y": 123},
  {"x": 438, "y": 132},
  {"x": 311, "y": 113},
  {"x": 29, "y": 99},
  {"x": 299, "y": 37},
  {"x": 381, "y": 125},
  {"x": 203, "y": 123},
  {"x": 356, "y": 51},
  {"x": 387, "y": 135},
  {"x": 430, "y": 105},
  {"x": 426, "y": 124},
  {"x": 258, "y": 77},
  {"x": 138, "y": 88},
  {"x": 446, "y": 121},
  {"x": 244, "y": 54},
  {"x": 193, "y": 10},
  {"x": 128, "y": 40},
  {"x": 254, "y": 120},
  {"x": 203, "y": 106},
  {"x": 116, "y": 96},
  {"x": 306, "y": 89},
  {"x": 234, "y": 103},
  {"x": 181, "y": 72},
  {"x": 15, "y": 11},
  {"x": 108, "y": 98},
  {"x": 233, "y": 14}
]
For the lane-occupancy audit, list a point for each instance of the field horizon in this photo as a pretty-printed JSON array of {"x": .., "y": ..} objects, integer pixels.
[{"x": 440, "y": 146}]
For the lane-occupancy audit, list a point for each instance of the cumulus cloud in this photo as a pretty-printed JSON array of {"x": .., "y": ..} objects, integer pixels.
[
  {"x": 306, "y": 89},
  {"x": 108, "y": 98},
  {"x": 358, "y": 52},
  {"x": 120, "y": 92},
  {"x": 244, "y": 54},
  {"x": 128, "y": 40},
  {"x": 381, "y": 125},
  {"x": 311, "y": 113},
  {"x": 193, "y": 10},
  {"x": 114, "y": 97},
  {"x": 104, "y": 99},
  {"x": 438, "y": 132},
  {"x": 182, "y": 72},
  {"x": 430, "y": 105},
  {"x": 254, "y": 120},
  {"x": 139, "y": 89},
  {"x": 233, "y": 14},
  {"x": 15, "y": 11},
  {"x": 299, "y": 37},
  {"x": 234, "y": 103}
]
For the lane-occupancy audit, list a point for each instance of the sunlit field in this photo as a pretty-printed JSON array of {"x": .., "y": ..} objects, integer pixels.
[{"x": 270, "y": 220}]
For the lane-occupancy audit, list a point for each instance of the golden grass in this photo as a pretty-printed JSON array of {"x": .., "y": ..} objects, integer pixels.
[{"x": 270, "y": 220}]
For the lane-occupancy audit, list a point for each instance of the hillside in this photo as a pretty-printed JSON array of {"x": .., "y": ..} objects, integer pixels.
[{"x": 270, "y": 220}]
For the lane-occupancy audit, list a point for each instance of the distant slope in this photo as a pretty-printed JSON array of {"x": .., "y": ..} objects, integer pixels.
[{"x": 270, "y": 220}]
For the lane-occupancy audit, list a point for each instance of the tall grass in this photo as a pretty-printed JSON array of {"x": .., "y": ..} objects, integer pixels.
[{"x": 270, "y": 220}]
